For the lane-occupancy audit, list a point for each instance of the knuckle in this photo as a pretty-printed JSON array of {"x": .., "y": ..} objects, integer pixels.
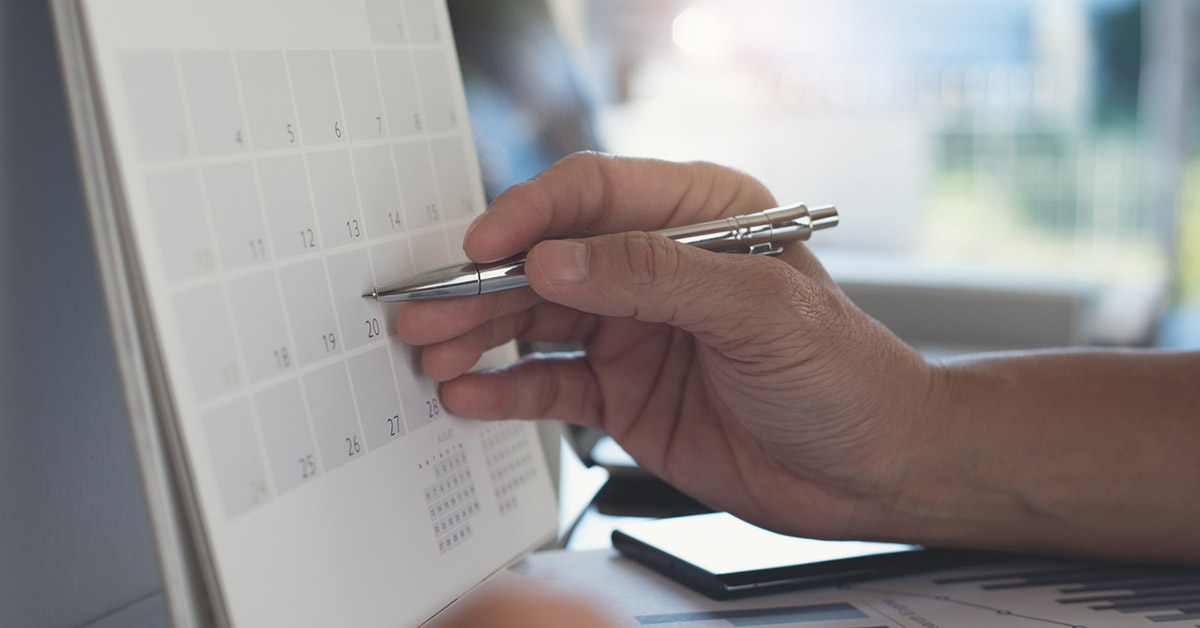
[
  {"x": 551, "y": 392},
  {"x": 789, "y": 290},
  {"x": 771, "y": 280},
  {"x": 773, "y": 286},
  {"x": 794, "y": 287},
  {"x": 587, "y": 161},
  {"x": 652, "y": 258},
  {"x": 744, "y": 191},
  {"x": 783, "y": 313},
  {"x": 819, "y": 310},
  {"x": 800, "y": 293}
]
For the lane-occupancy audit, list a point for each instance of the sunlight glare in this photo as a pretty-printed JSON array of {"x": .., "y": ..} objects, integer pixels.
[{"x": 700, "y": 32}]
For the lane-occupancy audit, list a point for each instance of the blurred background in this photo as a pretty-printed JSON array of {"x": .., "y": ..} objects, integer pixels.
[{"x": 1011, "y": 173}]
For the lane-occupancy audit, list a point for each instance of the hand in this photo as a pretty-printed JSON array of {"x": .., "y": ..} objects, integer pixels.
[
  {"x": 513, "y": 607},
  {"x": 749, "y": 382}
]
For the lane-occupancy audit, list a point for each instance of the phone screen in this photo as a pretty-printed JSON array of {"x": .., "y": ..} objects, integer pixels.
[
  {"x": 723, "y": 556},
  {"x": 721, "y": 543}
]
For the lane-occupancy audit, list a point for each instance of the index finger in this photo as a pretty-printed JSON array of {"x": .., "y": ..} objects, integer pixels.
[{"x": 592, "y": 193}]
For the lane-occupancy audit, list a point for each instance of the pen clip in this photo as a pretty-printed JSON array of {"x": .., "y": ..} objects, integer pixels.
[
  {"x": 766, "y": 248},
  {"x": 762, "y": 248}
]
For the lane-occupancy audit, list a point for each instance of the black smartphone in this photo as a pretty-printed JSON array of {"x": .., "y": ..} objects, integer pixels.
[{"x": 724, "y": 557}]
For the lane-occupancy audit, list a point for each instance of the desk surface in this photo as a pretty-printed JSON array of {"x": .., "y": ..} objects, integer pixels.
[
  {"x": 1020, "y": 593},
  {"x": 1017, "y": 593}
]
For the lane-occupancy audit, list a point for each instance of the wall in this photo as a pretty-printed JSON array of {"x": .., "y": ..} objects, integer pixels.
[{"x": 75, "y": 541}]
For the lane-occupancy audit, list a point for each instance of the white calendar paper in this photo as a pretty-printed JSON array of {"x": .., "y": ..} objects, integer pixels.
[{"x": 265, "y": 162}]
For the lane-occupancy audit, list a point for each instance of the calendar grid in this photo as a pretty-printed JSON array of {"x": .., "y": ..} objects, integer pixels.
[
  {"x": 219, "y": 268},
  {"x": 274, "y": 271},
  {"x": 509, "y": 461},
  {"x": 176, "y": 163},
  {"x": 246, "y": 151},
  {"x": 391, "y": 238},
  {"x": 358, "y": 199},
  {"x": 341, "y": 113},
  {"x": 262, "y": 489},
  {"x": 428, "y": 147},
  {"x": 391, "y": 135},
  {"x": 319, "y": 253},
  {"x": 451, "y": 498},
  {"x": 375, "y": 280},
  {"x": 318, "y": 463},
  {"x": 272, "y": 162}
]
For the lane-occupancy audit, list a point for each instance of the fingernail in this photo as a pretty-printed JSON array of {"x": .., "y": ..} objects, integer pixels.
[{"x": 563, "y": 262}]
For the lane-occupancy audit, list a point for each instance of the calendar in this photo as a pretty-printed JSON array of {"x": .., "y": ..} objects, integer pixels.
[{"x": 253, "y": 168}]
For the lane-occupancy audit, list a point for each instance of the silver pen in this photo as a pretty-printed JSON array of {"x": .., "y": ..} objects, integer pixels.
[{"x": 759, "y": 233}]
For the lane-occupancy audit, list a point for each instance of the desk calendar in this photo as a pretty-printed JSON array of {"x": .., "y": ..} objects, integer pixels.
[{"x": 254, "y": 166}]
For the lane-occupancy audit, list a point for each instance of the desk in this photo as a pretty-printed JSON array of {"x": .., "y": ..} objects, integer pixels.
[{"x": 1017, "y": 593}]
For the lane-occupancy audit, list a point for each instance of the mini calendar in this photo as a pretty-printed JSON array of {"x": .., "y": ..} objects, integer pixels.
[
  {"x": 451, "y": 498},
  {"x": 510, "y": 461},
  {"x": 253, "y": 168}
]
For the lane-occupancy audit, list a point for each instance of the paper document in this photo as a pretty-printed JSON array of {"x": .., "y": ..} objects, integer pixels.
[{"x": 1005, "y": 594}]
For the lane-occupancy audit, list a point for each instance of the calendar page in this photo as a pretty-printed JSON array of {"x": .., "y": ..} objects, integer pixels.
[{"x": 275, "y": 160}]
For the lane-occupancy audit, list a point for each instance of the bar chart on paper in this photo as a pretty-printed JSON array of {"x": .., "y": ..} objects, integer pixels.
[
  {"x": 1009, "y": 593},
  {"x": 1092, "y": 595},
  {"x": 1081, "y": 595}
]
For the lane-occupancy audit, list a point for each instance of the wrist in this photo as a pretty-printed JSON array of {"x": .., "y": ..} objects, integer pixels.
[
  {"x": 963, "y": 481},
  {"x": 900, "y": 481},
  {"x": 925, "y": 497}
]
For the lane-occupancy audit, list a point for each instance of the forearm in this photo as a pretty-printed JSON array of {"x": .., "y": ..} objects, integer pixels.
[{"x": 1082, "y": 452}]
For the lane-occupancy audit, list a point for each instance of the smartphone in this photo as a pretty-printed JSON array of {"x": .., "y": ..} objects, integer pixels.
[{"x": 724, "y": 557}]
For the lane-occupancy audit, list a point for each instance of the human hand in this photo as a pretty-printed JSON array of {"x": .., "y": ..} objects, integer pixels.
[
  {"x": 749, "y": 382},
  {"x": 513, "y": 607}
]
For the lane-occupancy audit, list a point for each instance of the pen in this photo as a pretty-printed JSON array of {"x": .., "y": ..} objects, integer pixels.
[{"x": 759, "y": 233}]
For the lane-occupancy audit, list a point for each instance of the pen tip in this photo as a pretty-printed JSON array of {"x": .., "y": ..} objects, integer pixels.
[{"x": 371, "y": 295}]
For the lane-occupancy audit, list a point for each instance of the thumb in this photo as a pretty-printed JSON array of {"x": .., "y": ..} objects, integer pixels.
[{"x": 725, "y": 300}]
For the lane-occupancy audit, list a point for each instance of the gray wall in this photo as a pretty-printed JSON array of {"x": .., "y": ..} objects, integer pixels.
[{"x": 75, "y": 540}]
